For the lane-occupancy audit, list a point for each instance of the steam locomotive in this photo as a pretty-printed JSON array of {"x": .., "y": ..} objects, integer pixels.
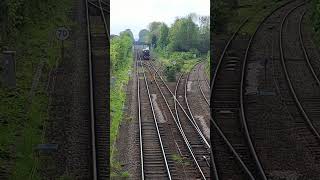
[{"x": 146, "y": 54}]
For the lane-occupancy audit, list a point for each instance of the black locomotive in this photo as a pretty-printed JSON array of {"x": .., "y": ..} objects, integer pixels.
[{"x": 146, "y": 54}]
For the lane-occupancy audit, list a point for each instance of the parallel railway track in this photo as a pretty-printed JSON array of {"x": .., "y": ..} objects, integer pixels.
[
  {"x": 227, "y": 101},
  {"x": 154, "y": 163},
  {"x": 191, "y": 128},
  {"x": 294, "y": 61},
  {"x": 200, "y": 79},
  {"x": 198, "y": 105},
  {"x": 199, "y": 162},
  {"x": 226, "y": 111},
  {"x": 270, "y": 88},
  {"x": 289, "y": 72},
  {"x": 98, "y": 55}
]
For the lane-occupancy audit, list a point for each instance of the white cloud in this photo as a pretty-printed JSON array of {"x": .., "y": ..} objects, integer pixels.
[{"x": 137, "y": 14}]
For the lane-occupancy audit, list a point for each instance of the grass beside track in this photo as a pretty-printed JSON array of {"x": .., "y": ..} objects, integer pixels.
[
  {"x": 117, "y": 100},
  {"x": 20, "y": 127}
]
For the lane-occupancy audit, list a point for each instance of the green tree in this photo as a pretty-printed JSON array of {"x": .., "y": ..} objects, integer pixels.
[
  {"x": 127, "y": 32},
  {"x": 183, "y": 35},
  {"x": 163, "y": 36},
  {"x": 144, "y": 36},
  {"x": 154, "y": 28},
  {"x": 204, "y": 34},
  {"x": 120, "y": 49}
]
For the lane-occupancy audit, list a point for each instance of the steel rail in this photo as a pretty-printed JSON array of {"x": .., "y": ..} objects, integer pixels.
[
  {"x": 184, "y": 111},
  {"x": 139, "y": 118},
  {"x": 93, "y": 4},
  {"x": 200, "y": 87},
  {"x": 178, "y": 119},
  {"x": 107, "y": 4},
  {"x": 207, "y": 81},
  {"x": 305, "y": 51},
  {"x": 92, "y": 112},
  {"x": 187, "y": 103},
  {"x": 243, "y": 82},
  {"x": 215, "y": 172},
  {"x": 224, "y": 52},
  {"x": 221, "y": 134},
  {"x": 188, "y": 106},
  {"x": 296, "y": 99},
  {"x": 213, "y": 83},
  {"x": 243, "y": 118},
  {"x": 104, "y": 20},
  {"x": 156, "y": 123},
  {"x": 178, "y": 124}
]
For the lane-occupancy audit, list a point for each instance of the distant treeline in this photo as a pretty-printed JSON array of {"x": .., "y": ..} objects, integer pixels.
[{"x": 190, "y": 33}]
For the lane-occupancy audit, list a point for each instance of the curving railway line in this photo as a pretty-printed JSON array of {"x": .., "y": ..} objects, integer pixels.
[
  {"x": 254, "y": 88},
  {"x": 196, "y": 95},
  {"x": 259, "y": 107},
  {"x": 231, "y": 97},
  {"x": 275, "y": 44},
  {"x": 201, "y": 79},
  {"x": 226, "y": 104},
  {"x": 239, "y": 143},
  {"x": 187, "y": 140},
  {"x": 286, "y": 53},
  {"x": 191, "y": 128}
]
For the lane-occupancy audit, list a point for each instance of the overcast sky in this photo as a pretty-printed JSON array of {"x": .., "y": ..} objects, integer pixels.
[{"x": 137, "y": 14}]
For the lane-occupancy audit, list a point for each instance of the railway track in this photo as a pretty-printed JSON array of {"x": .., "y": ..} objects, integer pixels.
[
  {"x": 201, "y": 79},
  {"x": 302, "y": 83},
  {"x": 226, "y": 106},
  {"x": 98, "y": 55},
  {"x": 188, "y": 151},
  {"x": 191, "y": 128},
  {"x": 286, "y": 53},
  {"x": 268, "y": 99},
  {"x": 153, "y": 156},
  {"x": 232, "y": 94},
  {"x": 198, "y": 107}
]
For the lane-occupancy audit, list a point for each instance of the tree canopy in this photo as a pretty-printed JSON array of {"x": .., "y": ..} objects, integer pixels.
[
  {"x": 190, "y": 33},
  {"x": 144, "y": 36},
  {"x": 163, "y": 36},
  {"x": 127, "y": 32},
  {"x": 120, "y": 48}
]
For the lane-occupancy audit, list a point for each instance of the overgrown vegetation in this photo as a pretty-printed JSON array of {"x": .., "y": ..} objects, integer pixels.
[
  {"x": 315, "y": 18},
  {"x": 28, "y": 28},
  {"x": 121, "y": 63},
  {"x": 180, "y": 46},
  {"x": 229, "y": 14},
  {"x": 180, "y": 160}
]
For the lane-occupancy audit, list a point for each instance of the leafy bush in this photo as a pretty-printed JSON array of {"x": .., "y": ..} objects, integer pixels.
[
  {"x": 181, "y": 56},
  {"x": 171, "y": 70},
  {"x": 120, "y": 50}
]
